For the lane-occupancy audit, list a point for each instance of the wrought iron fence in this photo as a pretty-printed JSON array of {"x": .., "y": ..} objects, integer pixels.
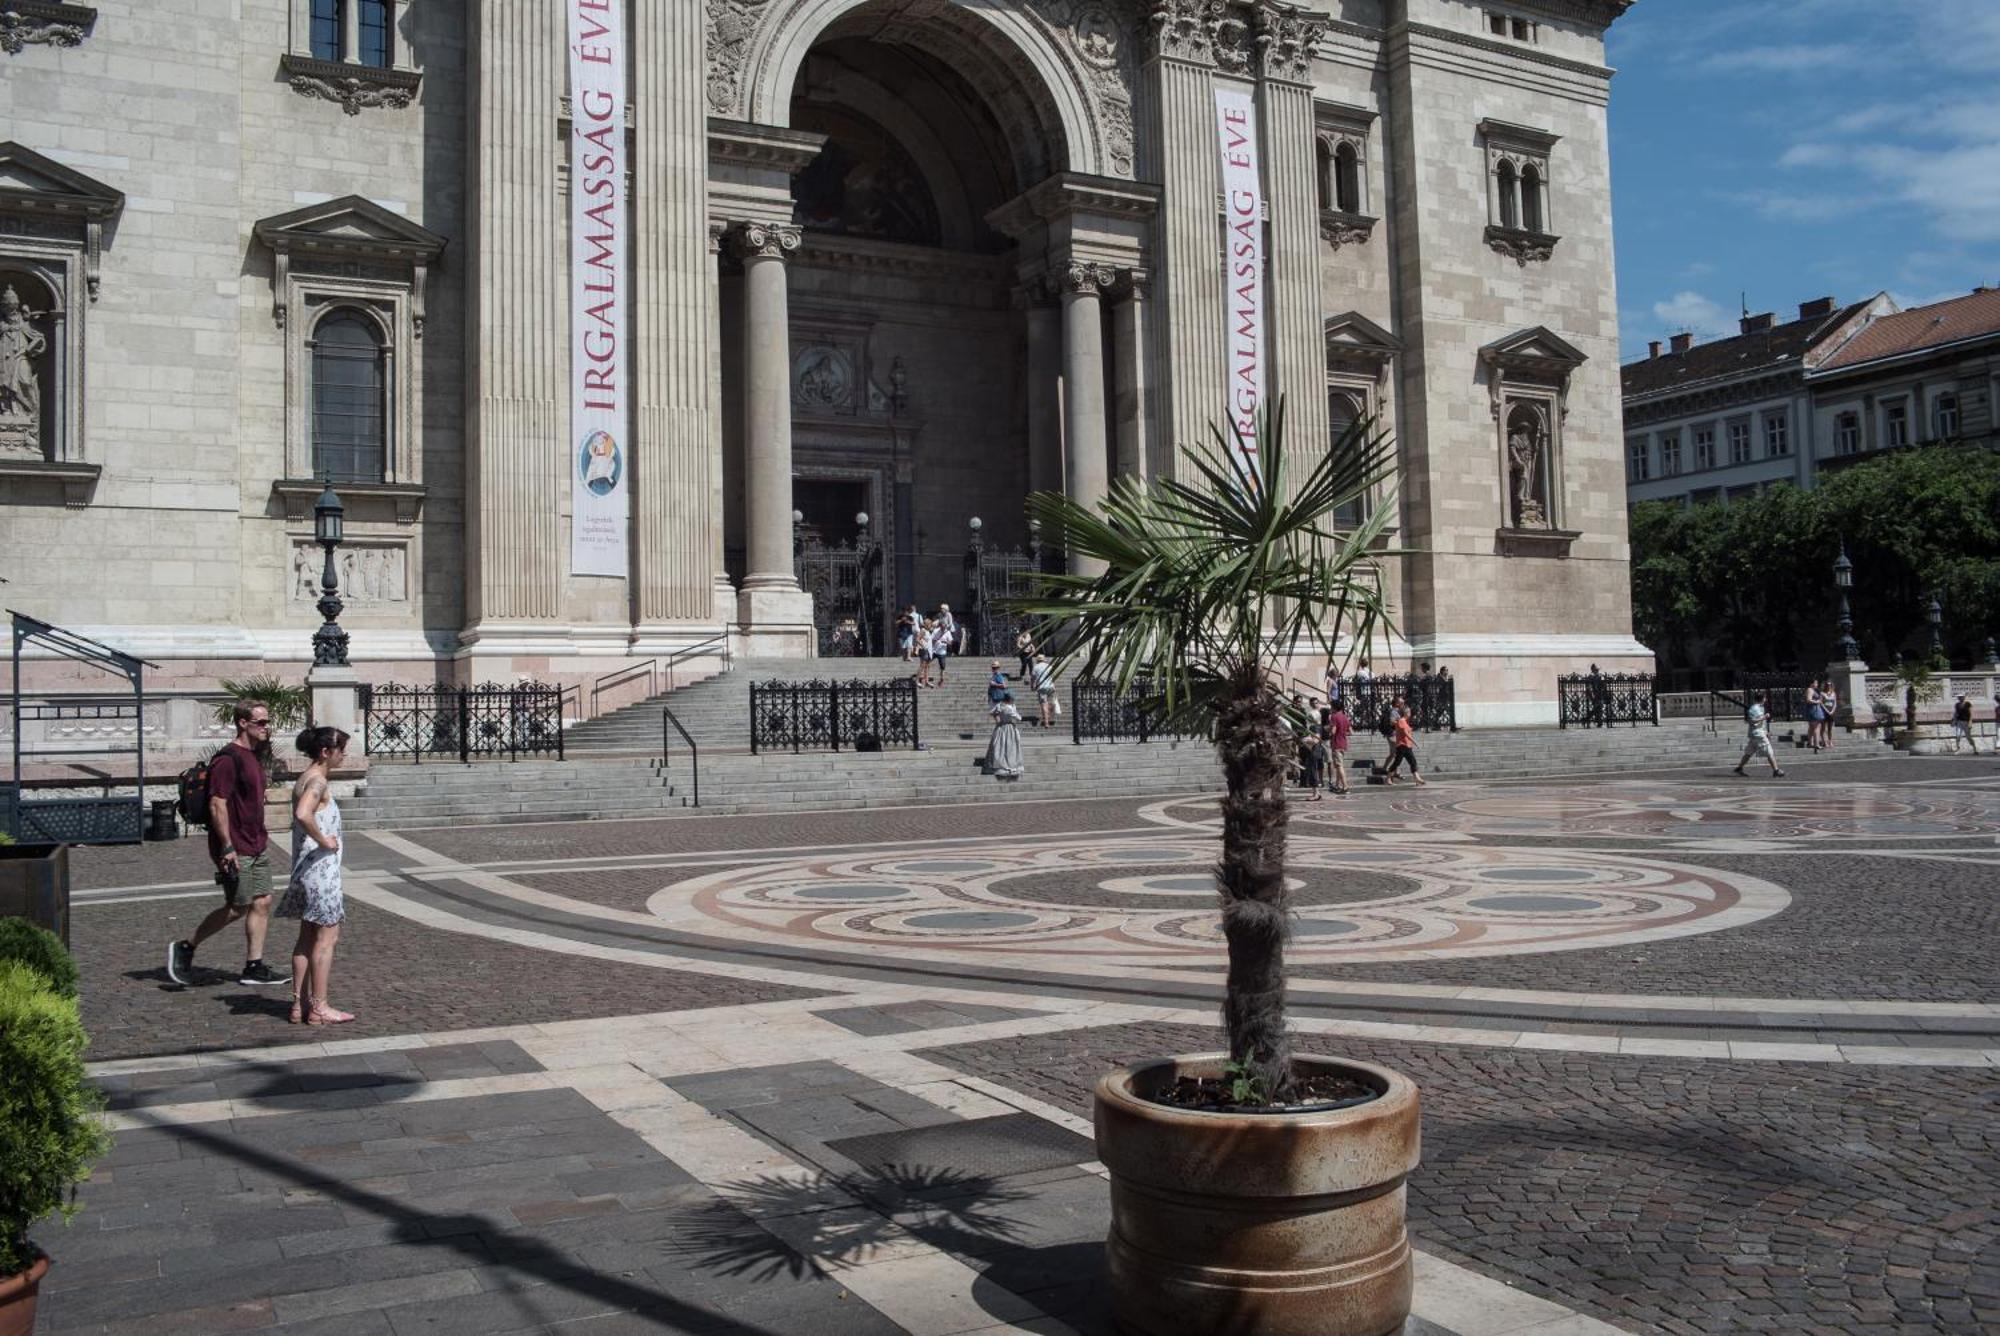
[
  {"x": 1100, "y": 712},
  {"x": 1602, "y": 700},
  {"x": 492, "y": 719},
  {"x": 1432, "y": 700},
  {"x": 829, "y": 716}
]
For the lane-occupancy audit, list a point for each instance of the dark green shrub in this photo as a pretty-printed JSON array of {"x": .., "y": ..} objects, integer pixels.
[
  {"x": 49, "y": 1125},
  {"x": 40, "y": 950}
]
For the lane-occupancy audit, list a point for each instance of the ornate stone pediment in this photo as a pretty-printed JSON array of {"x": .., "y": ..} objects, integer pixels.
[
  {"x": 41, "y": 197},
  {"x": 1353, "y": 340},
  {"x": 1536, "y": 351},
  {"x": 354, "y": 229}
]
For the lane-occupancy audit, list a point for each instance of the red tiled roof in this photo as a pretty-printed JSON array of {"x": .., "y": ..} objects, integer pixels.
[
  {"x": 1919, "y": 328},
  {"x": 1745, "y": 353}
]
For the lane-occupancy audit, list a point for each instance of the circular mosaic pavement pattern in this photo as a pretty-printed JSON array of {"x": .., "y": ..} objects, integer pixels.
[
  {"x": 1092, "y": 902},
  {"x": 1641, "y": 811}
]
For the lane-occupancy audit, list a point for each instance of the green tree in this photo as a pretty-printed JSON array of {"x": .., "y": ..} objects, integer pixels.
[{"x": 1207, "y": 587}]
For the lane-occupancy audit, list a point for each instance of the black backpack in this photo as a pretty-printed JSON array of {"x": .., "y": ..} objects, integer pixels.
[{"x": 192, "y": 804}]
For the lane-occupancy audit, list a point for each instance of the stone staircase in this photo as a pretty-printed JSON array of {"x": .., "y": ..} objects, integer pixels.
[{"x": 600, "y": 782}]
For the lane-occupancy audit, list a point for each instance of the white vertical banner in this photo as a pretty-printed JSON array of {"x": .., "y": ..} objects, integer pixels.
[
  {"x": 1243, "y": 260},
  {"x": 599, "y": 454}
]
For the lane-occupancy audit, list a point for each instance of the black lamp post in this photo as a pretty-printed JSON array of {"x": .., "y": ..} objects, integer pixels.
[
  {"x": 329, "y": 642},
  {"x": 1936, "y": 615},
  {"x": 1843, "y": 580},
  {"x": 864, "y": 623},
  {"x": 975, "y": 603},
  {"x": 1035, "y": 543}
]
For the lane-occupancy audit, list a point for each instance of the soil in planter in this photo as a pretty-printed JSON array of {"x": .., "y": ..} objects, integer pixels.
[{"x": 1316, "y": 1094}]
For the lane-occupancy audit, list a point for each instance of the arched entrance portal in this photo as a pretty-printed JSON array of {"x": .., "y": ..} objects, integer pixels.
[{"x": 906, "y": 349}]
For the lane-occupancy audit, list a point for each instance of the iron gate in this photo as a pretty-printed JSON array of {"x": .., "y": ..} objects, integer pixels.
[
  {"x": 845, "y": 581},
  {"x": 992, "y": 577}
]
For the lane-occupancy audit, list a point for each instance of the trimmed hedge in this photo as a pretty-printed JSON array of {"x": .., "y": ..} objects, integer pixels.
[
  {"x": 49, "y": 1128},
  {"x": 40, "y": 950}
]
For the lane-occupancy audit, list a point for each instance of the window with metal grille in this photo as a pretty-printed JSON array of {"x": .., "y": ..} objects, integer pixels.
[
  {"x": 349, "y": 403},
  {"x": 327, "y": 21},
  {"x": 377, "y": 33}
]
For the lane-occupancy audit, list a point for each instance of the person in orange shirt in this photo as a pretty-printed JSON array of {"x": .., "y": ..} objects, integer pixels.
[{"x": 1404, "y": 745}]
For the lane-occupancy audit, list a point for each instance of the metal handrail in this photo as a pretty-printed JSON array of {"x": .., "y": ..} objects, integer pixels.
[
  {"x": 700, "y": 649},
  {"x": 666, "y": 749},
  {"x": 622, "y": 676}
]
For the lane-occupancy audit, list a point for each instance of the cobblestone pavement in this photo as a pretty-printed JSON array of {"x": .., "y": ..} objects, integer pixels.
[
  {"x": 580, "y": 1100},
  {"x": 1665, "y": 1195},
  {"x": 398, "y": 977}
]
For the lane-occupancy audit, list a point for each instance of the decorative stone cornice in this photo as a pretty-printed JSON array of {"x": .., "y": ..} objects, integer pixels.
[
  {"x": 59, "y": 198},
  {"x": 766, "y": 241},
  {"x": 1522, "y": 139},
  {"x": 775, "y": 147},
  {"x": 1286, "y": 39},
  {"x": 77, "y": 480},
  {"x": 1597, "y": 13},
  {"x": 349, "y": 83},
  {"x": 1519, "y": 542},
  {"x": 826, "y": 250},
  {"x": 26, "y": 23},
  {"x": 1520, "y": 244},
  {"x": 1068, "y": 193},
  {"x": 1353, "y": 340},
  {"x": 1341, "y": 228},
  {"x": 350, "y": 228},
  {"x": 1512, "y": 51}
]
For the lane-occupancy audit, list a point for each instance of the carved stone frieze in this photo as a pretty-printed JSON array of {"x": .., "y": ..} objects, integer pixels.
[
  {"x": 370, "y": 574},
  {"x": 1341, "y": 228},
  {"x": 1185, "y": 29},
  {"x": 1523, "y": 246},
  {"x": 352, "y": 86},
  {"x": 732, "y": 26},
  {"x": 1103, "y": 45},
  {"x": 26, "y": 23}
]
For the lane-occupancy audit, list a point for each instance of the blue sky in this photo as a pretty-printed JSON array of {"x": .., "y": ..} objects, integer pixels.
[{"x": 1792, "y": 149}]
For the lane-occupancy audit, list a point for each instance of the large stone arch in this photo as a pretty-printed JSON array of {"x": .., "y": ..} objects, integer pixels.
[{"x": 1037, "y": 80}]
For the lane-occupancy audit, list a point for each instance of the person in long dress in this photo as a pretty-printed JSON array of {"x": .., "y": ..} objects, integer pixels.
[
  {"x": 314, "y": 897},
  {"x": 1003, "y": 753}
]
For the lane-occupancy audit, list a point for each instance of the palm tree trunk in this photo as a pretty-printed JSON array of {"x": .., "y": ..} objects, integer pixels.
[{"x": 1252, "y": 742}]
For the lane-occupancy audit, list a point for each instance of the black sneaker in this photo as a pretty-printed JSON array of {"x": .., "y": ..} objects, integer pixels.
[
  {"x": 180, "y": 961},
  {"x": 258, "y": 972}
]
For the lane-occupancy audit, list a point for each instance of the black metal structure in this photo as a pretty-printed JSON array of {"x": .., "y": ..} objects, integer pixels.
[
  {"x": 669, "y": 718},
  {"x": 992, "y": 577},
  {"x": 113, "y": 818},
  {"x": 462, "y": 723},
  {"x": 845, "y": 581},
  {"x": 1432, "y": 700},
  {"x": 829, "y": 716},
  {"x": 1603, "y": 700},
  {"x": 1100, "y": 712}
]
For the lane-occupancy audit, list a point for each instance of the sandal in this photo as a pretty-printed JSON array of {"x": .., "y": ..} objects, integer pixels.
[
  {"x": 322, "y": 1014},
  {"x": 298, "y": 1009}
]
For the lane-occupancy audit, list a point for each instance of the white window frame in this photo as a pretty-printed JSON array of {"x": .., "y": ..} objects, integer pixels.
[
  {"x": 1704, "y": 447},
  {"x": 1638, "y": 459},
  {"x": 1940, "y": 430},
  {"x": 1895, "y": 422},
  {"x": 1742, "y": 443},
  {"x": 1778, "y": 435},
  {"x": 1670, "y": 454},
  {"x": 1847, "y": 432}
]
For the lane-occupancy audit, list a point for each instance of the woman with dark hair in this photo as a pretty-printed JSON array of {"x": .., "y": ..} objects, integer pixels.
[{"x": 314, "y": 896}]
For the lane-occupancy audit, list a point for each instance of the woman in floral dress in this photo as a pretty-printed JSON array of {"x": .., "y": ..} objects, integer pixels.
[{"x": 314, "y": 896}]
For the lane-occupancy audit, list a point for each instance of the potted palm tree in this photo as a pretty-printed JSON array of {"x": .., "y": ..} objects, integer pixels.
[{"x": 1259, "y": 1189}]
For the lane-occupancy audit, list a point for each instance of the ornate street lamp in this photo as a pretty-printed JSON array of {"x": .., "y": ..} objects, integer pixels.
[
  {"x": 329, "y": 642},
  {"x": 1843, "y": 580},
  {"x": 1936, "y": 616},
  {"x": 798, "y": 532},
  {"x": 975, "y": 604},
  {"x": 865, "y": 621}
]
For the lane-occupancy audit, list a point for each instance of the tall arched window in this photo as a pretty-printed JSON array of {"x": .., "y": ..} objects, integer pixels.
[
  {"x": 1531, "y": 199},
  {"x": 328, "y": 18},
  {"x": 1510, "y": 196},
  {"x": 1323, "y": 160},
  {"x": 1343, "y": 409},
  {"x": 1347, "y": 179},
  {"x": 350, "y": 419}
]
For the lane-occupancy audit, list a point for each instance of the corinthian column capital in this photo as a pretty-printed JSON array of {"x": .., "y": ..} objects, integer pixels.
[{"x": 767, "y": 241}]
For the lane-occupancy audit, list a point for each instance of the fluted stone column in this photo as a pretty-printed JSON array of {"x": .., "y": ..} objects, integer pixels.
[
  {"x": 1087, "y": 476},
  {"x": 1045, "y": 468},
  {"x": 776, "y": 616},
  {"x": 1295, "y": 331},
  {"x": 1177, "y": 149},
  {"x": 677, "y": 464},
  {"x": 518, "y": 345},
  {"x": 1129, "y": 377}
]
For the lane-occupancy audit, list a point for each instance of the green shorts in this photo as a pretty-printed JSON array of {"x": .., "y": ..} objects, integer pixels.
[{"x": 253, "y": 878}]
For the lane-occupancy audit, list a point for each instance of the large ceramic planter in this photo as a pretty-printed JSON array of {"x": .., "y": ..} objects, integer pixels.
[
  {"x": 1279, "y": 1224},
  {"x": 17, "y": 1299}
]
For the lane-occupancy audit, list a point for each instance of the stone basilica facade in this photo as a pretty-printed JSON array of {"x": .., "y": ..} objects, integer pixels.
[{"x": 907, "y": 259}]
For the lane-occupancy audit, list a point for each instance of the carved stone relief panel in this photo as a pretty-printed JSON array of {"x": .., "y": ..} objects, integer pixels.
[{"x": 370, "y": 574}]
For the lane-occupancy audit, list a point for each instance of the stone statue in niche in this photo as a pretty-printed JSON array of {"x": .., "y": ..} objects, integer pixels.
[
  {"x": 21, "y": 345},
  {"x": 1524, "y": 456}
]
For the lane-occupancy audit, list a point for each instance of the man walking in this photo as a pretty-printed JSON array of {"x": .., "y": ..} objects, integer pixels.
[
  {"x": 239, "y": 844},
  {"x": 1339, "y": 727},
  {"x": 1759, "y": 741}
]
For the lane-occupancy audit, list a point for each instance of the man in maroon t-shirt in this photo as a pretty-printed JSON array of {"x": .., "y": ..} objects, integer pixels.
[
  {"x": 240, "y": 846},
  {"x": 1339, "y": 728}
]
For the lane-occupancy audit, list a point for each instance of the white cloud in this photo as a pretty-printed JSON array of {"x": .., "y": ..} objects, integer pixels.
[
  {"x": 1693, "y": 312},
  {"x": 1794, "y": 59},
  {"x": 1787, "y": 206}
]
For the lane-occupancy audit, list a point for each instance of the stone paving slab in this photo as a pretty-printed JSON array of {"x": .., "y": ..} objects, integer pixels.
[
  {"x": 1666, "y": 1195},
  {"x": 398, "y": 977}
]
